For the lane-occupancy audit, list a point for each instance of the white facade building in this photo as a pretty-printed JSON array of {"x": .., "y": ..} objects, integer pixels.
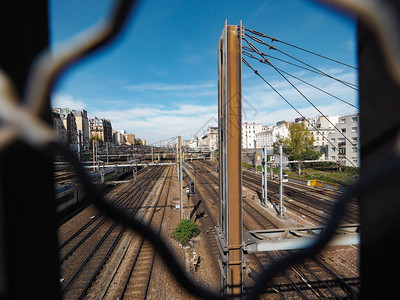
[
  {"x": 210, "y": 140},
  {"x": 345, "y": 149},
  {"x": 194, "y": 143},
  {"x": 269, "y": 134},
  {"x": 321, "y": 129},
  {"x": 249, "y": 131}
]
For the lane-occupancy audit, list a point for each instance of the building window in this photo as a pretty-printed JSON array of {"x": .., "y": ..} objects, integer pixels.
[
  {"x": 353, "y": 129},
  {"x": 333, "y": 157},
  {"x": 333, "y": 140},
  {"x": 333, "y": 149},
  {"x": 342, "y": 121},
  {"x": 342, "y": 151},
  {"x": 354, "y": 119},
  {"x": 353, "y": 149},
  {"x": 343, "y": 129}
]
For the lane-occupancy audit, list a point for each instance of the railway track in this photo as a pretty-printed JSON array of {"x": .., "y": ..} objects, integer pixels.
[
  {"x": 310, "y": 280},
  {"x": 310, "y": 204},
  {"x": 203, "y": 212},
  {"x": 118, "y": 197},
  {"x": 138, "y": 281},
  {"x": 94, "y": 242}
]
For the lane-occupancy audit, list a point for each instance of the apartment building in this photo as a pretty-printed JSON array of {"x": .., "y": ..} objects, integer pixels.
[
  {"x": 345, "y": 141},
  {"x": 60, "y": 131},
  {"x": 130, "y": 139},
  {"x": 249, "y": 131},
  {"x": 101, "y": 128},
  {"x": 69, "y": 122},
  {"x": 269, "y": 134},
  {"x": 82, "y": 126},
  {"x": 320, "y": 128},
  {"x": 210, "y": 140}
]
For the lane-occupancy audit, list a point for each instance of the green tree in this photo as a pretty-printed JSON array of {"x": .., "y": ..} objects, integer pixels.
[
  {"x": 280, "y": 140},
  {"x": 299, "y": 145},
  {"x": 96, "y": 137}
]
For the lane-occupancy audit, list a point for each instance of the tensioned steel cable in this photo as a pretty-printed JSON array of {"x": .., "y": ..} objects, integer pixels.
[
  {"x": 348, "y": 84},
  {"x": 292, "y": 106},
  {"x": 266, "y": 61},
  {"x": 315, "y": 107},
  {"x": 285, "y": 61},
  {"x": 273, "y": 39}
]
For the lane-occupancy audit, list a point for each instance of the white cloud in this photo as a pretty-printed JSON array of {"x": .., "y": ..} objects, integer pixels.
[
  {"x": 65, "y": 100},
  {"x": 155, "y": 123},
  {"x": 166, "y": 87}
]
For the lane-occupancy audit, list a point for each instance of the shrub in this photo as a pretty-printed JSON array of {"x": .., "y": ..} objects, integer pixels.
[{"x": 185, "y": 230}]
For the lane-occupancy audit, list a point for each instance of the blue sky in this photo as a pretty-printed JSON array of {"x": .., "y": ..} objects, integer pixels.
[{"x": 159, "y": 78}]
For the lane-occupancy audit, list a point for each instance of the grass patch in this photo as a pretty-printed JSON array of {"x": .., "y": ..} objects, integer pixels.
[
  {"x": 185, "y": 230},
  {"x": 341, "y": 178}
]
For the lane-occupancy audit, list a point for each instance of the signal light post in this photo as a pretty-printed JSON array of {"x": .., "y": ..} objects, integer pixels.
[{"x": 190, "y": 190}]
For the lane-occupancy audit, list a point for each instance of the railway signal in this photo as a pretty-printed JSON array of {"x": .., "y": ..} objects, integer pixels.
[{"x": 192, "y": 187}]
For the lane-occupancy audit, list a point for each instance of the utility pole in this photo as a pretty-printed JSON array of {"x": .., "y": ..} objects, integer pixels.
[
  {"x": 180, "y": 175},
  {"x": 79, "y": 144},
  {"x": 94, "y": 164},
  {"x": 280, "y": 182},
  {"x": 107, "y": 151},
  {"x": 255, "y": 156},
  {"x": 264, "y": 174},
  {"x": 177, "y": 160},
  {"x": 271, "y": 173}
]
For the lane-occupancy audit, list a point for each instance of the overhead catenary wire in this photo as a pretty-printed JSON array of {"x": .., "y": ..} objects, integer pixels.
[
  {"x": 273, "y": 39},
  {"x": 316, "y": 108},
  {"x": 285, "y": 61},
  {"x": 348, "y": 84},
  {"x": 314, "y": 70},
  {"x": 305, "y": 82},
  {"x": 292, "y": 106},
  {"x": 266, "y": 61}
]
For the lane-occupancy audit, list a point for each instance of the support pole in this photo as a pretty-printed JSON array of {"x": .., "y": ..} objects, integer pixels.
[
  {"x": 255, "y": 156},
  {"x": 94, "y": 161},
  {"x": 280, "y": 182},
  {"x": 271, "y": 172},
  {"x": 230, "y": 154},
  {"x": 177, "y": 161},
  {"x": 180, "y": 175},
  {"x": 107, "y": 152},
  {"x": 264, "y": 174}
]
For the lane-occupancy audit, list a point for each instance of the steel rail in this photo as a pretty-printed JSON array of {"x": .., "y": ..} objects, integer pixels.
[
  {"x": 143, "y": 240},
  {"x": 281, "y": 253},
  {"x": 119, "y": 202},
  {"x": 81, "y": 267},
  {"x": 208, "y": 223},
  {"x": 350, "y": 216},
  {"x": 103, "y": 261},
  {"x": 311, "y": 214}
]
